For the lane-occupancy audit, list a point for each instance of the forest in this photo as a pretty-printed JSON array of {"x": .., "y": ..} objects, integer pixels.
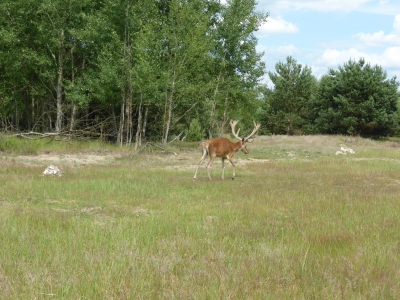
[{"x": 129, "y": 71}]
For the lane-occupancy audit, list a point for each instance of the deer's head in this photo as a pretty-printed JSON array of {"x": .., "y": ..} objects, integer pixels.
[{"x": 247, "y": 139}]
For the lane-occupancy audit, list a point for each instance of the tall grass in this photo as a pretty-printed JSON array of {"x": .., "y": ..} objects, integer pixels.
[{"x": 300, "y": 226}]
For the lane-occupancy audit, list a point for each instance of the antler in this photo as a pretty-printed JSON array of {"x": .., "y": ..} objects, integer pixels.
[
  {"x": 233, "y": 125},
  {"x": 236, "y": 134},
  {"x": 256, "y": 127}
]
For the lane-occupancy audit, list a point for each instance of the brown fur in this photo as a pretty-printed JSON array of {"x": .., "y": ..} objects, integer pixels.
[{"x": 223, "y": 148}]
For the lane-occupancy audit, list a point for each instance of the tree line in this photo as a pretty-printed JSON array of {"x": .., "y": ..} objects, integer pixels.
[
  {"x": 126, "y": 71},
  {"x": 355, "y": 99}
]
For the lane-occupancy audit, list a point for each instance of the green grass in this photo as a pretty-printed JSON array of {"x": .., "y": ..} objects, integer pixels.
[
  {"x": 311, "y": 225},
  {"x": 22, "y": 146}
]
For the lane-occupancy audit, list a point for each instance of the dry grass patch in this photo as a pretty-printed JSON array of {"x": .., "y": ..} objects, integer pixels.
[{"x": 306, "y": 225}]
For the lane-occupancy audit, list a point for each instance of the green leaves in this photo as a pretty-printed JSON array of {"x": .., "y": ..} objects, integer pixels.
[
  {"x": 295, "y": 86},
  {"x": 357, "y": 99},
  {"x": 171, "y": 61}
]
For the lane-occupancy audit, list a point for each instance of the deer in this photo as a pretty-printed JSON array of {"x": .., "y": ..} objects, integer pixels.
[{"x": 225, "y": 149}]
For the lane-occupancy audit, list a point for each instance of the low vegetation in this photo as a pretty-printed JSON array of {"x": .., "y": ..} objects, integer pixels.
[{"x": 298, "y": 222}]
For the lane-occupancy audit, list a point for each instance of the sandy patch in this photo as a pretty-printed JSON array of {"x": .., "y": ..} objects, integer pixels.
[{"x": 67, "y": 159}]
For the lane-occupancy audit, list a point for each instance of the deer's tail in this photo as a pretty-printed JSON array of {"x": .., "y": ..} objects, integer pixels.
[{"x": 204, "y": 145}]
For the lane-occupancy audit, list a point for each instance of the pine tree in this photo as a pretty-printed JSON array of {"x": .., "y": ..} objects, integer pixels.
[
  {"x": 357, "y": 99},
  {"x": 294, "y": 88}
]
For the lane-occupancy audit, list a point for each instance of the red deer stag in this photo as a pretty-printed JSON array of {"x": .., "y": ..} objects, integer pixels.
[{"x": 225, "y": 149}]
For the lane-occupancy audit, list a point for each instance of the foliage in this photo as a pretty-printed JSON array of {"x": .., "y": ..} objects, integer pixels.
[
  {"x": 294, "y": 87},
  {"x": 357, "y": 99},
  {"x": 195, "y": 132},
  {"x": 133, "y": 70},
  {"x": 141, "y": 69}
]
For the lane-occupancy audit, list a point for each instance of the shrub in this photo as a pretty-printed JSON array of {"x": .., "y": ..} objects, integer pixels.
[{"x": 195, "y": 132}]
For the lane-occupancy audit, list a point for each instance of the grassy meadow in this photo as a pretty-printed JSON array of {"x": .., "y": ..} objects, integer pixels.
[{"x": 298, "y": 222}]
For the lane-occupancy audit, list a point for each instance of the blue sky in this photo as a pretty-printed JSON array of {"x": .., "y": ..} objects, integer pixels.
[{"x": 325, "y": 34}]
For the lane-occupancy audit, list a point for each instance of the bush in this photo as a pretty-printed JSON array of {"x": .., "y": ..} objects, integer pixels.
[{"x": 195, "y": 132}]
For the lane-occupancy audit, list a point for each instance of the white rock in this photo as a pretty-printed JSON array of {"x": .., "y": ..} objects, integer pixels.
[{"x": 52, "y": 170}]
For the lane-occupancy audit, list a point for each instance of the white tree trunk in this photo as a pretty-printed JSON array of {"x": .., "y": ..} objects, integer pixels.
[{"x": 59, "y": 89}]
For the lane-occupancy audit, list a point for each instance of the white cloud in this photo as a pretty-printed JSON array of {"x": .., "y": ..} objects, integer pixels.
[
  {"x": 388, "y": 59},
  {"x": 396, "y": 24},
  {"x": 322, "y": 5},
  {"x": 287, "y": 50},
  {"x": 387, "y": 7},
  {"x": 380, "y": 38},
  {"x": 334, "y": 58},
  {"x": 377, "y": 47},
  {"x": 276, "y": 25},
  {"x": 279, "y": 52}
]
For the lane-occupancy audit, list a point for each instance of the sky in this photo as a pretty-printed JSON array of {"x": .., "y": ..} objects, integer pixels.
[{"x": 326, "y": 34}]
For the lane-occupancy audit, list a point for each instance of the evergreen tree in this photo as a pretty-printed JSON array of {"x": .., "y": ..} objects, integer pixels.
[
  {"x": 195, "y": 132},
  {"x": 287, "y": 103},
  {"x": 357, "y": 99}
]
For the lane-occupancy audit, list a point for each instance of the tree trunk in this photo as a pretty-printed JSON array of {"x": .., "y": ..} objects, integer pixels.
[
  {"x": 168, "y": 119},
  {"x": 121, "y": 124},
  {"x": 114, "y": 124},
  {"x": 168, "y": 109},
  {"x": 74, "y": 108},
  {"x": 33, "y": 114},
  {"x": 288, "y": 128},
  {"x": 224, "y": 117},
  {"x": 73, "y": 118},
  {"x": 129, "y": 86},
  {"x": 138, "y": 140},
  {"x": 213, "y": 108},
  {"x": 59, "y": 120},
  {"x": 27, "y": 117},
  {"x": 128, "y": 111},
  {"x": 59, "y": 90},
  {"x": 146, "y": 113},
  {"x": 15, "y": 122}
]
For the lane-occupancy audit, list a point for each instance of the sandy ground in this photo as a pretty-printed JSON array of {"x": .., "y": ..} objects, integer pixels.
[
  {"x": 185, "y": 160},
  {"x": 77, "y": 159}
]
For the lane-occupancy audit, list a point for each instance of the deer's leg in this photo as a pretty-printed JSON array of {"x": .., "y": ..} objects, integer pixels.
[
  {"x": 200, "y": 162},
  {"x": 223, "y": 167},
  {"x": 233, "y": 166},
  {"x": 208, "y": 167}
]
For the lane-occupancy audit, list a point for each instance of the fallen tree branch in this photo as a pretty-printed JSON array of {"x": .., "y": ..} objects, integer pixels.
[
  {"x": 166, "y": 150},
  {"x": 176, "y": 138},
  {"x": 153, "y": 145},
  {"x": 66, "y": 134}
]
